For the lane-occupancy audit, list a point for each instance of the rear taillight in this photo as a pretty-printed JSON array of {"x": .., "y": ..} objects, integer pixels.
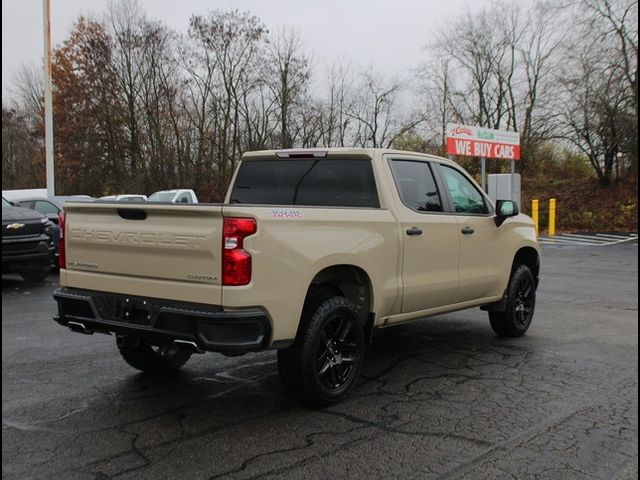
[
  {"x": 236, "y": 262},
  {"x": 62, "y": 253}
]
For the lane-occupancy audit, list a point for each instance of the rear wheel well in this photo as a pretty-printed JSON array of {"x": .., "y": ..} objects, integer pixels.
[
  {"x": 344, "y": 280},
  {"x": 528, "y": 256}
]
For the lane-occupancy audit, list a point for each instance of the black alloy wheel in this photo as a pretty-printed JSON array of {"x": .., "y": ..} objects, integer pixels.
[
  {"x": 324, "y": 362},
  {"x": 337, "y": 351},
  {"x": 520, "y": 307},
  {"x": 523, "y": 303}
]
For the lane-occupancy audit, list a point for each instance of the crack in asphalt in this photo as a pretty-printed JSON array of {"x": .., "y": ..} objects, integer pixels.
[{"x": 515, "y": 441}]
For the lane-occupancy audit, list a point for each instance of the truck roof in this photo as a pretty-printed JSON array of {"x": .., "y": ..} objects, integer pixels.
[
  {"x": 334, "y": 153},
  {"x": 175, "y": 190}
]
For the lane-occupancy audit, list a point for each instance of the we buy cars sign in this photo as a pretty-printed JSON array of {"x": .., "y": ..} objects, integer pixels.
[{"x": 482, "y": 142}]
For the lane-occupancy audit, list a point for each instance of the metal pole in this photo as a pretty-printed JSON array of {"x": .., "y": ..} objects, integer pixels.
[
  {"x": 535, "y": 214},
  {"x": 48, "y": 101},
  {"x": 513, "y": 180},
  {"x": 483, "y": 174}
]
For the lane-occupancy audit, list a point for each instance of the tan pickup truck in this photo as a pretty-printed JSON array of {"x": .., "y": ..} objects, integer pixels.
[{"x": 311, "y": 252}]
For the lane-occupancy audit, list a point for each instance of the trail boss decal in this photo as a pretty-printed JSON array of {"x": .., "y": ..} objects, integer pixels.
[{"x": 286, "y": 213}]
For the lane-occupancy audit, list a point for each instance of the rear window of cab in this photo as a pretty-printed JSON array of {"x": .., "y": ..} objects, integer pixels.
[{"x": 311, "y": 182}]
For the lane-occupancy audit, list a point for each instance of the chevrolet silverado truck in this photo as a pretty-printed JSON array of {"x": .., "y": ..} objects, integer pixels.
[
  {"x": 311, "y": 252},
  {"x": 28, "y": 245}
]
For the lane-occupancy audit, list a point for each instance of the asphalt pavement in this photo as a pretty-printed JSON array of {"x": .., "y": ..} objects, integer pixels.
[{"x": 440, "y": 398}]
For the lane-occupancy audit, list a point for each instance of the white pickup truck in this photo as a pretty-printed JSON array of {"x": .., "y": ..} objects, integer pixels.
[
  {"x": 174, "y": 196},
  {"x": 311, "y": 252}
]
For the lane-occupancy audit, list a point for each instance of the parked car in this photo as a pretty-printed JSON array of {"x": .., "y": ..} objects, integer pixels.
[
  {"x": 47, "y": 207},
  {"x": 28, "y": 245},
  {"x": 310, "y": 253},
  {"x": 125, "y": 198},
  {"x": 174, "y": 196},
  {"x": 50, "y": 208},
  {"x": 12, "y": 195},
  {"x": 62, "y": 199}
]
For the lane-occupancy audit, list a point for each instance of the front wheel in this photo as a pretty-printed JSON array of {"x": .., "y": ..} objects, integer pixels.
[
  {"x": 521, "y": 302},
  {"x": 149, "y": 358},
  {"x": 323, "y": 364}
]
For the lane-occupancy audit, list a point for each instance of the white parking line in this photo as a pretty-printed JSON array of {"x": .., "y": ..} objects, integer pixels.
[
  {"x": 615, "y": 237},
  {"x": 588, "y": 237},
  {"x": 564, "y": 239},
  {"x": 595, "y": 240},
  {"x": 626, "y": 240},
  {"x": 571, "y": 243}
]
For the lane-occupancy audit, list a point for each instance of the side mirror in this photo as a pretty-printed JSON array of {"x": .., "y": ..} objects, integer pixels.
[
  {"x": 505, "y": 209},
  {"x": 54, "y": 218}
]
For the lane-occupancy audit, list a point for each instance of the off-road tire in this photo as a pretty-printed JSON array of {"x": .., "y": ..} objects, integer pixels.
[
  {"x": 150, "y": 359},
  {"x": 35, "y": 276},
  {"x": 521, "y": 302},
  {"x": 319, "y": 369}
]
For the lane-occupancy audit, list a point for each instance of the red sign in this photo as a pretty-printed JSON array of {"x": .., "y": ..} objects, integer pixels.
[{"x": 482, "y": 142}]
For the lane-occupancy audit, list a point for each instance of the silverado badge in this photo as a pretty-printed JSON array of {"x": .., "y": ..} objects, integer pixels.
[{"x": 15, "y": 226}]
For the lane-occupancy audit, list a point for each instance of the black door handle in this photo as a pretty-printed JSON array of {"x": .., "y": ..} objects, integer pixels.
[
  {"x": 467, "y": 230},
  {"x": 414, "y": 231}
]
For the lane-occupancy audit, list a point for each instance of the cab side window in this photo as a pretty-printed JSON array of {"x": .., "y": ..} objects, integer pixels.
[
  {"x": 184, "y": 198},
  {"x": 416, "y": 185},
  {"x": 465, "y": 196}
]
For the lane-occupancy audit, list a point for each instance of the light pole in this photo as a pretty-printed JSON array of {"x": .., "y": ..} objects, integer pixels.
[{"x": 48, "y": 101}]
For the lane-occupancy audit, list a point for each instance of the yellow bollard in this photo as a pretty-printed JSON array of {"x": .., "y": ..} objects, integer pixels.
[
  {"x": 535, "y": 213},
  {"x": 552, "y": 216}
]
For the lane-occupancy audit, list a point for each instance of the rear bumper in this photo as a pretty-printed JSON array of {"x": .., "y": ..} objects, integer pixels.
[{"x": 162, "y": 322}]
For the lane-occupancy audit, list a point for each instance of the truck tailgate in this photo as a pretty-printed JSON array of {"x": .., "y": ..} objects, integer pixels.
[{"x": 150, "y": 250}]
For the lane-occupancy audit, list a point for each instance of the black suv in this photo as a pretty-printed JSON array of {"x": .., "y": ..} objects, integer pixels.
[{"x": 28, "y": 246}]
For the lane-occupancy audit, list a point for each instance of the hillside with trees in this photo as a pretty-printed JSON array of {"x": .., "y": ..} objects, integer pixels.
[{"x": 139, "y": 107}]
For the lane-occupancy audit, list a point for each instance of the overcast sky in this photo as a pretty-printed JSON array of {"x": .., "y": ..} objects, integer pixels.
[{"x": 389, "y": 34}]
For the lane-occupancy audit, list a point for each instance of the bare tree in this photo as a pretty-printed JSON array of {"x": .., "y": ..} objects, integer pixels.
[
  {"x": 290, "y": 73},
  {"x": 160, "y": 143},
  {"x": 377, "y": 112},
  {"x": 125, "y": 18},
  {"x": 615, "y": 23},
  {"x": 436, "y": 89},
  {"x": 496, "y": 75},
  {"x": 335, "y": 120},
  {"x": 22, "y": 165},
  {"x": 598, "y": 111},
  {"x": 235, "y": 40}
]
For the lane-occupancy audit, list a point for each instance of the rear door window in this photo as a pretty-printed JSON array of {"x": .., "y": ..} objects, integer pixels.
[
  {"x": 416, "y": 185},
  {"x": 312, "y": 182}
]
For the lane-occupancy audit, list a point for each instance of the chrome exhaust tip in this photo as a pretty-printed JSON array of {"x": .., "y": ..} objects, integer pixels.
[
  {"x": 187, "y": 345},
  {"x": 79, "y": 328}
]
